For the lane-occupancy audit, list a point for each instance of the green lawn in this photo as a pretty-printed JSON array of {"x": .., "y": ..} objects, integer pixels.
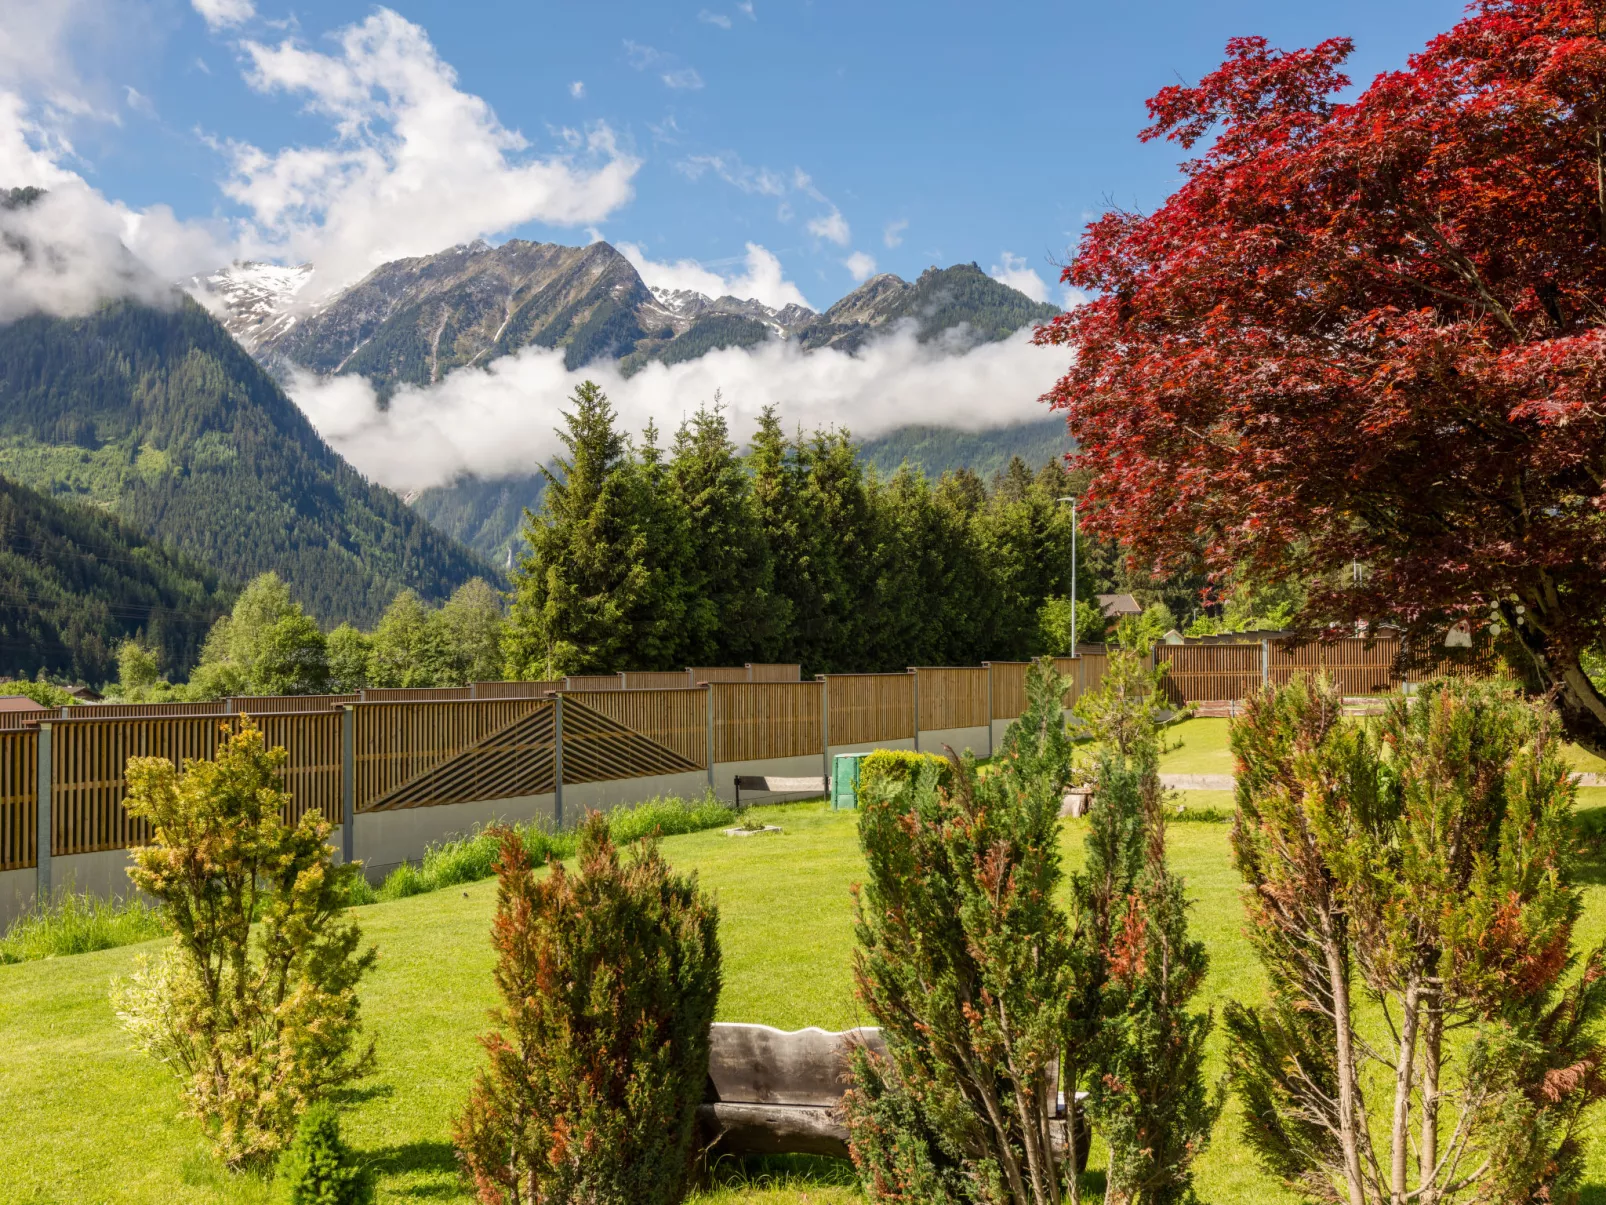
[
  {"x": 1197, "y": 747},
  {"x": 83, "y": 1120}
]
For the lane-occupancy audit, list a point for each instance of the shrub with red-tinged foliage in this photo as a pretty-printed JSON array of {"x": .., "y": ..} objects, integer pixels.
[
  {"x": 609, "y": 979},
  {"x": 1371, "y": 331}
]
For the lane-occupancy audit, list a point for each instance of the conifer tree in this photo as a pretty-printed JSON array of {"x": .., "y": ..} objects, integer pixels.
[
  {"x": 732, "y": 613},
  {"x": 576, "y": 586}
]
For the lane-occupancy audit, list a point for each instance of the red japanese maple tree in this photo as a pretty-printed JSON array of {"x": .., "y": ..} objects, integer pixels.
[{"x": 1372, "y": 331}]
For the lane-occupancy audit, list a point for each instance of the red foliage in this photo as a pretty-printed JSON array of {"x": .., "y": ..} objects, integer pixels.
[{"x": 1370, "y": 331}]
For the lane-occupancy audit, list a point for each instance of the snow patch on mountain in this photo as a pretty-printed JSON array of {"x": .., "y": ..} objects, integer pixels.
[{"x": 254, "y": 301}]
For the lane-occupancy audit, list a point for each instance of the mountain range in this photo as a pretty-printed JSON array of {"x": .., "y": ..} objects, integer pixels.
[{"x": 412, "y": 321}]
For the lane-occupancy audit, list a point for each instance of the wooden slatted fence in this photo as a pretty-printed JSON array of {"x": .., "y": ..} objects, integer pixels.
[
  {"x": 415, "y": 694},
  {"x": 19, "y": 799},
  {"x": 720, "y": 673},
  {"x": 598, "y": 748},
  {"x": 514, "y": 760},
  {"x": 516, "y": 690},
  {"x": 658, "y": 680},
  {"x": 123, "y": 711},
  {"x": 594, "y": 682},
  {"x": 676, "y": 718},
  {"x": 952, "y": 697},
  {"x": 865, "y": 708},
  {"x": 278, "y": 704},
  {"x": 774, "y": 673},
  {"x": 1196, "y": 672},
  {"x": 758, "y": 720},
  {"x": 1357, "y": 667},
  {"x": 396, "y": 742},
  {"x": 1008, "y": 688}
]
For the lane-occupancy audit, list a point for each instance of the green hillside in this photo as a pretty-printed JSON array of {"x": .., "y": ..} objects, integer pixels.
[
  {"x": 159, "y": 416},
  {"x": 938, "y": 450},
  {"x": 75, "y": 583}
]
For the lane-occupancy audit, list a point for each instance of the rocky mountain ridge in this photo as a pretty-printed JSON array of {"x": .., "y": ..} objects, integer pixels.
[{"x": 413, "y": 320}]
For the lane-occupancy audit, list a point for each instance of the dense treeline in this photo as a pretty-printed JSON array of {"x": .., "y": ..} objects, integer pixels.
[
  {"x": 648, "y": 558},
  {"x": 190, "y": 441},
  {"x": 75, "y": 584}
]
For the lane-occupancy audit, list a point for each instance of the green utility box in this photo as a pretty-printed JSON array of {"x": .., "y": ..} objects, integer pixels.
[{"x": 845, "y": 781}]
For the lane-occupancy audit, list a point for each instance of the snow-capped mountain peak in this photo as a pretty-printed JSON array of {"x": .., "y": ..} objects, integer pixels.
[{"x": 254, "y": 301}]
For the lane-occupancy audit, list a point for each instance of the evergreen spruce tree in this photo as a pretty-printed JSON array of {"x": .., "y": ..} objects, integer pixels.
[
  {"x": 733, "y": 611},
  {"x": 830, "y": 579},
  {"x": 601, "y": 586},
  {"x": 774, "y": 493}
]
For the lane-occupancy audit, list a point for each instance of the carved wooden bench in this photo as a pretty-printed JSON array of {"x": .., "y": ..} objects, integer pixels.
[
  {"x": 776, "y": 785},
  {"x": 775, "y": 1092}
]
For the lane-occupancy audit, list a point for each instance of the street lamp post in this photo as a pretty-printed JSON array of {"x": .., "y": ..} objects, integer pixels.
[{"x": 1072, "y": 501}]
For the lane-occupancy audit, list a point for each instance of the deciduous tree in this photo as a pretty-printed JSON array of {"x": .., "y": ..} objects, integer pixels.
[{"x": 1371, "y": 332}]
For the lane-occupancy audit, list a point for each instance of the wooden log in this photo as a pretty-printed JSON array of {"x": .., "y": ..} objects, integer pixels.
[
  {"x": 756, "y": 1064},
  {"x": 736, "y": 1128}
]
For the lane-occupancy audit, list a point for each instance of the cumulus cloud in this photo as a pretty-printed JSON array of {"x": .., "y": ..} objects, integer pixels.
[
  {"x": 763, "y": 278},
  {"x": 221, "y": 14},
  {"x": 1015, "y": 273},
  {"x": 500, "y": 419},
  {"x": 578, "y": 89},
  {"x": 860, "y": 265},
  {"x": 832, "y": 226},
  {"x": 72, "y": 249},
  {"x": 415, "y": 163}
]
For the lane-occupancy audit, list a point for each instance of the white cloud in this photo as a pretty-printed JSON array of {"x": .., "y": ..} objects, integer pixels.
[
  {"x": 730, "y": 168},
  {"x": 73, "y": 249},
  {"x": 577, "y": 89},
  {"x": 500, "y": 419},
  {"x": 685, "y": 78},
  {"x": 833, "y": 226},
  {"x": 641, "y": 56},
  {"x": 1017, "y": 275},
  {"x": 138, "y": 101},
  {"x": 415, "y": 163},
  {"x": 861, "y": 266},
  {"x": 719, "y": 19},
  {"x": 745, "y": 7},
  {"x": 892, "y": 235},
  {"x": 221, "y": 14},
  {"x": 763, "y": 278}
]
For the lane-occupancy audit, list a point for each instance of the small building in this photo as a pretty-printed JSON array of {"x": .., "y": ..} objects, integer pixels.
[
  {"x": 12, "y": 705},
  {"x": 1115, "y": 606},
  {"x": 86, "y": 694}
]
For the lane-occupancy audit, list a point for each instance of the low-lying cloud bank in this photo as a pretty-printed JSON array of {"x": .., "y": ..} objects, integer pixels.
[{"x": 500, "y": 420}]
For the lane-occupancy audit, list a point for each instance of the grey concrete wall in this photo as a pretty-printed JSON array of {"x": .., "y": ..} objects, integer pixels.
[
  {"x": 16, "y": 893},
  {"x": 384, "y": 840},
  {"x": 104, "y": 874},
  {"x": 871, "y": 746},
  {"x": 580, "y": 798},
  {"x": 809, "y": 766},
  {"x": 961, "y": 739}
]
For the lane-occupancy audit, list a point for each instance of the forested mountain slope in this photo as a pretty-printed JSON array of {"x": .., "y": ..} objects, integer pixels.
[
  {"x": 161, "y": 417},
  {"x": 75, "y": 583}
]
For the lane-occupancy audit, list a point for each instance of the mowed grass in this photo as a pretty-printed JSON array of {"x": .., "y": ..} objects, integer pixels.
[{"x": 84, "y": 1120}]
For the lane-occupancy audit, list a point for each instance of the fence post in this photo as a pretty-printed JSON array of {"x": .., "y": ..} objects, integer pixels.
[
  {"x": 1265, "y": 663},
  {"x": 42, "y": 787},
  {"x": 709, "y": 687},
  {"x": 348, "y": 784},
  {"x": 825, "y": 730},
  {"x": 916, "y": 674},
  {"x": 473, "y": 690},
  {"x": 988, "y": 666},
  {"x": 557, "y": 763}
]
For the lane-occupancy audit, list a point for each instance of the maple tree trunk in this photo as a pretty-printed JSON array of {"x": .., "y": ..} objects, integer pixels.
[{"x": 1581, "y": 706}]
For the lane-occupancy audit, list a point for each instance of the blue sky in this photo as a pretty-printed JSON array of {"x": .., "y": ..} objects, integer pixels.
[{"x": 833, "y": 136}]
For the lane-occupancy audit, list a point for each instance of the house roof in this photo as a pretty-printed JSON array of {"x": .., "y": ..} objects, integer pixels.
[
  {"x": 19, "y": 703},
  {"x": 1115, "y": 605}
]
